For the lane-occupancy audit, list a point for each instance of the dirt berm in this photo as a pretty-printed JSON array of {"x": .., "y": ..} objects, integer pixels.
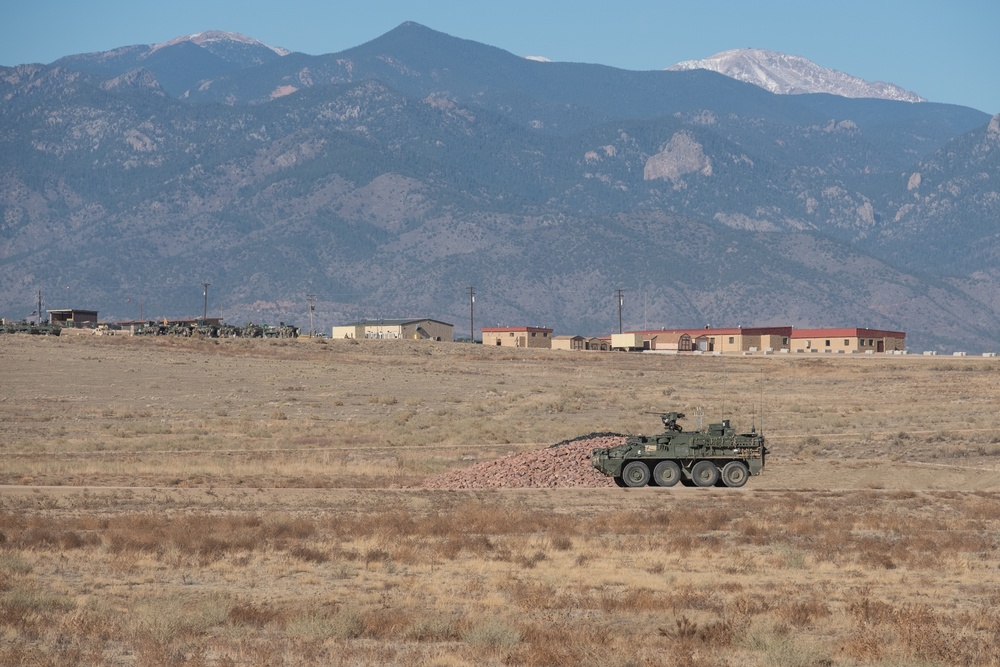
[{"x": 566, "y": 464}]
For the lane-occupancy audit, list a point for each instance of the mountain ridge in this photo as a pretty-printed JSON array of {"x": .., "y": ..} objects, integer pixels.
[
  {"x": 214, "y": 38},
  {"x": 393, "y": 181},
  {"x": 786, "y": 74}
]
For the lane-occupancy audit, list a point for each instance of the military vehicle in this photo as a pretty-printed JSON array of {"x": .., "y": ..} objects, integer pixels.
[
  {"x": 44, "y": 328},
  {"x": 716, "y": 456},
  {"x": 281, "y": 331}
]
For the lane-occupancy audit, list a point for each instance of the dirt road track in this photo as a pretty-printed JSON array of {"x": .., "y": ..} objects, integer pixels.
[{"x": 791, "y": 476}]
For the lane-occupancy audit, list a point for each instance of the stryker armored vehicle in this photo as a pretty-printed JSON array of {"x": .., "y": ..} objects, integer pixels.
[{"x": 717, "y": 455}]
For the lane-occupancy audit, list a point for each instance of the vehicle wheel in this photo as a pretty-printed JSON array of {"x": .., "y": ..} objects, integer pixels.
[
  {"x": 635, "y": 473},
  {"x": 704, "y": 473},
  {"x": 666, "y": 473},
  {"x": 619, "y": 481},
  {"x": 735, "y": 474}
]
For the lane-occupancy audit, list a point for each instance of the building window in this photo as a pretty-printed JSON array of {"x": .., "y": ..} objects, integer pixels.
[
  {"x": 532, "y": 334},
  {"x": 846, "y": 342},
  {"x": 828, "y": 342},
  {"x": 784, "y": 341},
  {"x": 732, "y": 340},
  {"x": 511, "y": 334}
]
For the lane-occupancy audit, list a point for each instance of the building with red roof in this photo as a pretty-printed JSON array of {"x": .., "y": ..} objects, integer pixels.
[{"x": 724, "y": 340}]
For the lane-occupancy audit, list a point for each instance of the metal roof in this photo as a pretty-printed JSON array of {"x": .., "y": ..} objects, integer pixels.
[
  {"x": 391, "y": 322},
  {"x": 515, "y": 329},
  {"x": 849, "y": 333}
]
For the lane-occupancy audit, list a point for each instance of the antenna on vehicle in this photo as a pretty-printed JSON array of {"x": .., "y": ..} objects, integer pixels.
[
  {"x": 725, "y": 391},
  {"x": 762, "y": 401}
]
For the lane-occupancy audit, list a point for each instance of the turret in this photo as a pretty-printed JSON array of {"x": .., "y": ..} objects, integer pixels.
[{"x": 670, "y": 421}]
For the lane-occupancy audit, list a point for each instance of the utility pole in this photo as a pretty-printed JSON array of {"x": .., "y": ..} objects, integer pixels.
[
  {"x": 621, "y": 302},
  {"x": 38, "y": 320},
  {"x": 204, "y": 314},
  {"x": 312, "y": 306},
  {"x": 472, "y": 316}
]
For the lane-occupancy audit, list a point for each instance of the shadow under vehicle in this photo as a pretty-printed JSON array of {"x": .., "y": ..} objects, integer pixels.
[{"x": 715, "y": 456}]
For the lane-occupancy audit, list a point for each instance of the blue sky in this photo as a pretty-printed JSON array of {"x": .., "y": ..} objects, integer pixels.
[{"x": 945, "y": 51}]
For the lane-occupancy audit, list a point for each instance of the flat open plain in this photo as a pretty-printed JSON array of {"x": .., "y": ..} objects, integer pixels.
[{"x": 179, "y": 501}]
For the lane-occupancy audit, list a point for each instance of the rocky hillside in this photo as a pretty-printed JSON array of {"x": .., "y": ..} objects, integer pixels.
[{"x": 389, "y": 178}]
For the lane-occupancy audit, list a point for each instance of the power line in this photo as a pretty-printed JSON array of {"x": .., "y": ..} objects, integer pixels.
[
  {"x": 311, "y": 298},
  {"x": 472, "y": 315},
  {"x": 621, "y": 302}
]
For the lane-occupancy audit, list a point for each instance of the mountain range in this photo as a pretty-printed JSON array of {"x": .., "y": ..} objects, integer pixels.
[{"x": 387, "y": 179}]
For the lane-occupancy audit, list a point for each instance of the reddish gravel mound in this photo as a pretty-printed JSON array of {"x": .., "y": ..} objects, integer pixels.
[{"x": 560, "y": 466}]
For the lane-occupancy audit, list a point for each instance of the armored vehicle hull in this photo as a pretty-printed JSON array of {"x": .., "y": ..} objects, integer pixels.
[{"x": 716, "y": 456}]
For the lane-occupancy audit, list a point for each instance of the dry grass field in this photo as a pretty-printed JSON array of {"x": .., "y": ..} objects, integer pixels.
[{"x": 220, "y": 503}]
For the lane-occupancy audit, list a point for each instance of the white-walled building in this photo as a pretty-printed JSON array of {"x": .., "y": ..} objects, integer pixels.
[{"x": 396, "y": 329}]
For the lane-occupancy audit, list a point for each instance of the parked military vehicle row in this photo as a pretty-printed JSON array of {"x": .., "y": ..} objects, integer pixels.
[
  {"x": 151, "y": 328},
  {"x": 210, "y": 330},
  {"x": 24, "y": 326},
  {"x": 715, "y": 456}
]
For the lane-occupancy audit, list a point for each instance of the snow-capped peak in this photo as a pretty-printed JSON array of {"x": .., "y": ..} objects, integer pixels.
[
  {"x": 793, "y": 75},
  {"x": 214, "y": 37},
  {"x": 539, "y": 59}
]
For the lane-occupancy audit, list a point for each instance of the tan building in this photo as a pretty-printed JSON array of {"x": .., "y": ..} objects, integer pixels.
[
  {"x": 518, "y": 336},
  {"x": 396, "y": 329},
  {"x": 73, "y": 317},
  {"x": 671, "y": 342},
  {"x": 580, "y": 343},
  {"x": 599, "y": 344},
  {"x": 569, "y": 343},
  {"x": 630, "y": 341},
  {"x": 848, "y": 340},
  {"x": 735, "y": 339}
]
